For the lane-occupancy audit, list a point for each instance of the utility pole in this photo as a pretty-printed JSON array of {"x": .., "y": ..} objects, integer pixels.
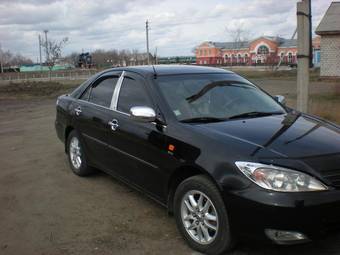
[
  {"x": 303, "y": 24},
  {"x": 2, "y": 60},
  {"x": 46, "y": 46},
  {"x": 156, "y": 60},
  {"x": 147, "y": 40},
  {"x": 40, "y": 42}
]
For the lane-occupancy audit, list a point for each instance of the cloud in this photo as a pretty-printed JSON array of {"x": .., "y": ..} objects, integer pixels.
[{"x": 176, "y": 26}]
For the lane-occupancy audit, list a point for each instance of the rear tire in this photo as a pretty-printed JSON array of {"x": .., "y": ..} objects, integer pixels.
[
  {"x": 201, "y": 216},
  {"x": 76, "y": 155}
]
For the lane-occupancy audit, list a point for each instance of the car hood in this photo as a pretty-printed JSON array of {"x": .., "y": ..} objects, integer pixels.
[{"x": 288, "y": 135}]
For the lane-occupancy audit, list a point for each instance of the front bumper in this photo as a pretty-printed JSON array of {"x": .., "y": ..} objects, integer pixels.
[{"x": 254, "y": 210}]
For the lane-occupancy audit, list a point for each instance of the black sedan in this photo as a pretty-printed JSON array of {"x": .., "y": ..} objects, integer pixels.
[{"x": 228, "y": 160}]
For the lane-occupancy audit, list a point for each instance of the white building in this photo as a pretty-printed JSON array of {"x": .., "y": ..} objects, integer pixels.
[{"x": 329, "y": 30}]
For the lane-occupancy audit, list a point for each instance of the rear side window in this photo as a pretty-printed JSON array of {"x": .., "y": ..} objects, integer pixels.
[
  {"x": 132, "y": 93},
  {"x": 102, "y": 93}
]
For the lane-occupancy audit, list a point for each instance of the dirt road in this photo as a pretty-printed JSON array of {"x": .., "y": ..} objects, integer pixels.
[{"x": 45, "y": 209}]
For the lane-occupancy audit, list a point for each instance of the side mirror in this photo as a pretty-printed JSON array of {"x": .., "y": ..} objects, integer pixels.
[
  {"x": 143, "y": 114},
  {"x": 280, "y": 99}
]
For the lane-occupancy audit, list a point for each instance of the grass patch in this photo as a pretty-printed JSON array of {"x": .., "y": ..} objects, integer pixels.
[
  {"x": 327, "y": 106},
  {"x": 39, "y": 89},
  {"x": 286, "y": 75},
  {"x": 326, "y": 97},
  {"x": 249, "y": 74}
]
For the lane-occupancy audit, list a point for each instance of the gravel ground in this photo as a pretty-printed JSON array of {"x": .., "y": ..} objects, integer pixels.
[{"x": 45, "y": 209}]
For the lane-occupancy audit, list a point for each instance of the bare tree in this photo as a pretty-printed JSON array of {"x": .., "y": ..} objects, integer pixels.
[
  {"x": 5, "y": 57},
  {"x": 134, "y": 57},
  {"x": 72, "y": 58},
  {"x": 239, "y": 36},
  {"x": 112, "y": 58},
  {"x": 237, "y": 32},
  {"x": 54, "y": 49},
  {"x": 99, "y": 57},
  {"x": 8, "y": 59},
  {"x": 18, "y": 60},
  {"x": 104, "y": 58}
]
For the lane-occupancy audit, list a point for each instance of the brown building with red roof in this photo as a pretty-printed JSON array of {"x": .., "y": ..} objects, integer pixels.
[{"x": 265, "y": 50}]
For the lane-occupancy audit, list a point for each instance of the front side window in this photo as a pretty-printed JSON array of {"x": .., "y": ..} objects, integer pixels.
[
  {"x": 132, "y": 93},
  {"x": 222, "y": 96},
  {"x": 85, "y": 96},
  {"x": 101, "y": 94}
]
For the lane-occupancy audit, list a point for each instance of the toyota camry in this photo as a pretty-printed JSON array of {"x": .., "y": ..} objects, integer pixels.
[{"x": 228, "y": 160}]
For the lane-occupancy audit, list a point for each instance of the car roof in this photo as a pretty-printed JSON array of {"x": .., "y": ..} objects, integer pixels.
[{"x": 170, "y": 69}]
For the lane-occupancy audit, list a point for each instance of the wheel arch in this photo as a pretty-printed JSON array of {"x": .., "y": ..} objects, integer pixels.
[
  {"x": 178, "y": 176},
  {"x": 68, "y": 130}
]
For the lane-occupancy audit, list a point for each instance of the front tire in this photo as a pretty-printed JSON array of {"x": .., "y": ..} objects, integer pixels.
[
  {"x": 76, "y": 155},
  {"x": 201, "y": 216}
]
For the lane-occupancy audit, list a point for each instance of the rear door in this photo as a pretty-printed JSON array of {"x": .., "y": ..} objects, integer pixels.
[
  {"x": 140, "y": 145},
  {"x": 92, "y": 114}
]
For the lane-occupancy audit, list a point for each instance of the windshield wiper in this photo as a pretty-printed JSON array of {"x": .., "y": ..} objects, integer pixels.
[
  {"x": 254, "y": 114},
  {"x": 203, "y": 120},
  {"x": 212, "y": 85}
]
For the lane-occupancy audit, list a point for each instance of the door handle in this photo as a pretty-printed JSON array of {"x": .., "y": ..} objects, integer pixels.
[
  {"x": 77, "y": 111},
  {"x": 113, "y": 124}
]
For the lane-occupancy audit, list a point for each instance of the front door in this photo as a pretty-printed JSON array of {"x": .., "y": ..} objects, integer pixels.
[{"x": 140, "y": 145}]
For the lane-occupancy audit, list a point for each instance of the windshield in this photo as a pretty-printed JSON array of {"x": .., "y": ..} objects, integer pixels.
[{"x": 212, "y": 97}]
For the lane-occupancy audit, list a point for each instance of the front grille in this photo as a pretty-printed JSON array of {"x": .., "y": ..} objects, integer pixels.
[
  {"x": 328, "y": 166},
  {"x": 331, "y": 224},
  {"x": 332, "y": 176}
]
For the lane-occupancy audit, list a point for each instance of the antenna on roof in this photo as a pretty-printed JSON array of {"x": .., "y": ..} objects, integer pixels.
[{"x": 154, "y": 72}]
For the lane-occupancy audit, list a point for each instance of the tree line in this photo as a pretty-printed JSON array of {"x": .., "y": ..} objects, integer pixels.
[
  {"x": 9, "y": 59},
  {"x": 113, "y": 57}
]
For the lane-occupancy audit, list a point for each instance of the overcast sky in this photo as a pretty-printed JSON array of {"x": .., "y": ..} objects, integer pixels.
[{"x": 176, "y": 25}]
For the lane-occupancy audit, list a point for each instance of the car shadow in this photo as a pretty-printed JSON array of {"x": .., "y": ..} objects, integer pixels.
[{"x": 328, "y": 245}]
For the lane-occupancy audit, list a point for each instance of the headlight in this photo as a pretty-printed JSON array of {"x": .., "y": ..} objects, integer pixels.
[{"x": 278, "y": 178}]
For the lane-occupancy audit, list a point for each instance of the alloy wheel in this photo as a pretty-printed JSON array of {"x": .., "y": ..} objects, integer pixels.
[
  {"x": 75, "y": 153},
  {"x": 199, "y": 217}
]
